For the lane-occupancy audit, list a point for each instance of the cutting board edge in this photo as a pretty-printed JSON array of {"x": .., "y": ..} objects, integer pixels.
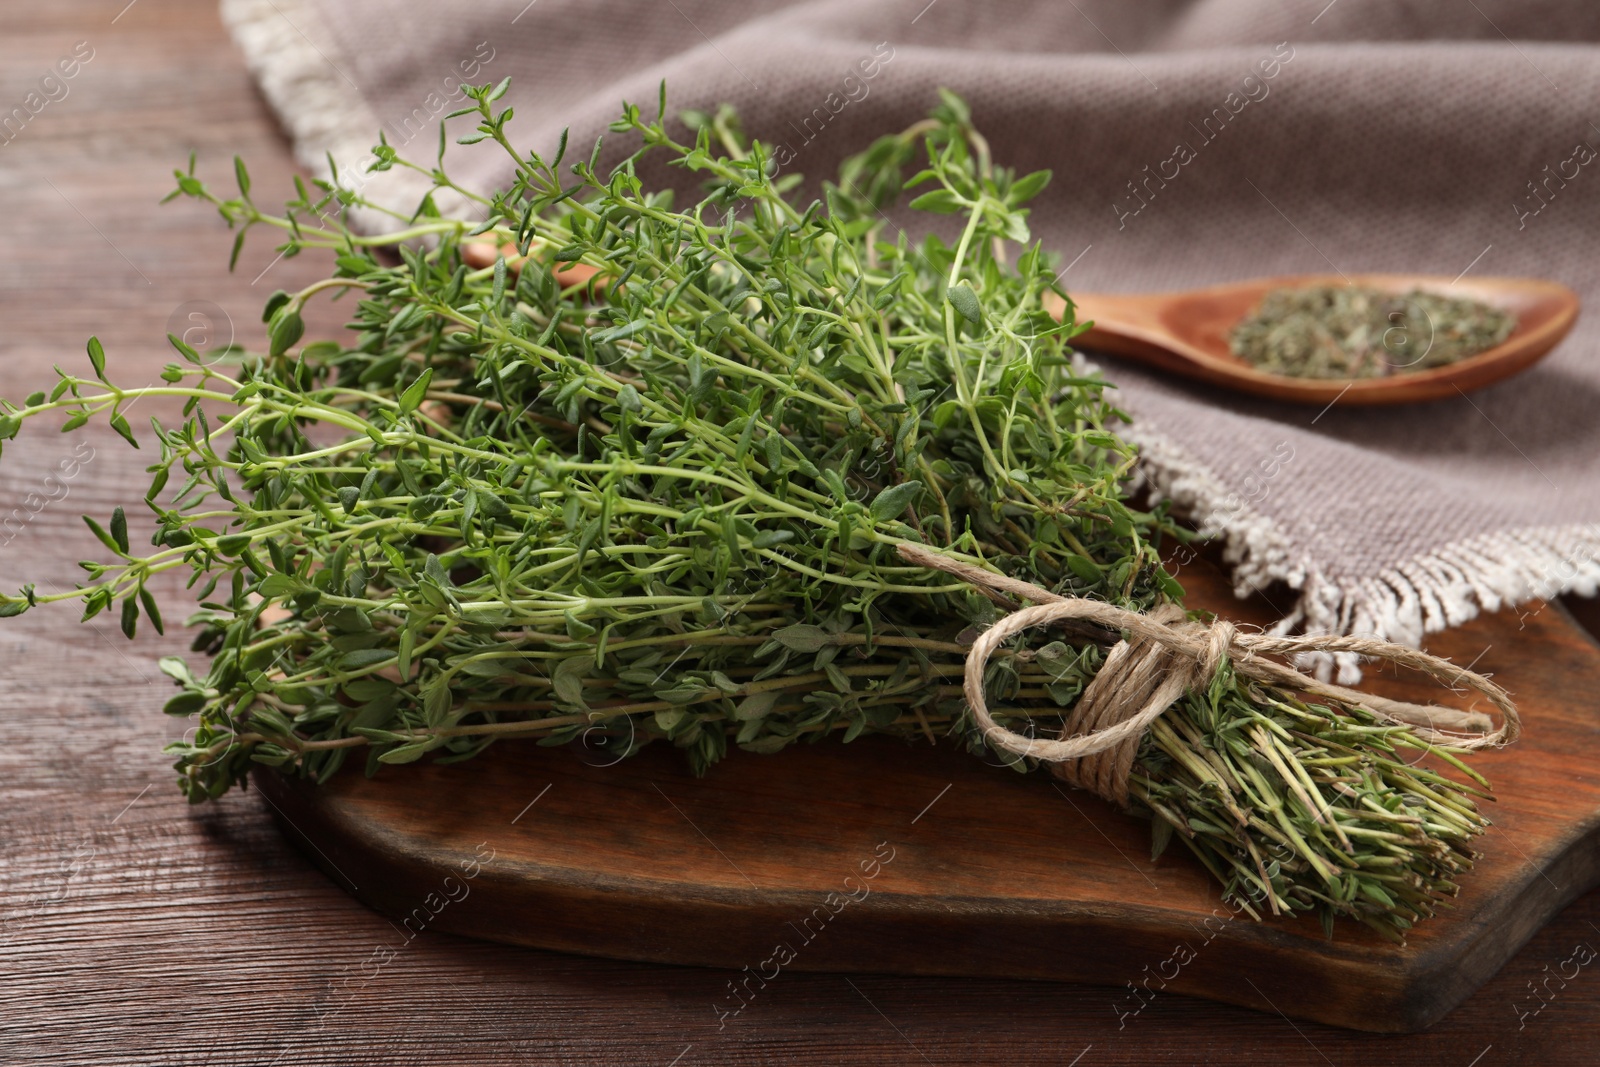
[{"x": 1407, "y": 992}]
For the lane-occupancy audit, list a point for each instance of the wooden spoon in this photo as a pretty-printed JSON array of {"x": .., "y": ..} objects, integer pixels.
[
  {"x": 482, "y": 254},
  {"x": 1187, "y": 333}
]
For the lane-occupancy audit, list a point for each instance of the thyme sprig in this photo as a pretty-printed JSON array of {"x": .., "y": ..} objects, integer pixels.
[{"x": 644, "y": 482}]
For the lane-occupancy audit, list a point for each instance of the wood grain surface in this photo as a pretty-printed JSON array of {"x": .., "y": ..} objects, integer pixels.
[{"x": 137, "y": 930}]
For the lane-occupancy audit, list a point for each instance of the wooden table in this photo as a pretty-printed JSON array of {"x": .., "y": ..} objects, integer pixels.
[{"x": 135, "y": 929}]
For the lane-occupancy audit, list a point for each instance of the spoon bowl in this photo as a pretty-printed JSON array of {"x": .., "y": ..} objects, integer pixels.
[{"x": 1187, "y": 333}]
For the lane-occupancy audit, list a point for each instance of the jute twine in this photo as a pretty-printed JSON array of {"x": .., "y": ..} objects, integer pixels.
[{"x": 1163, "y": 655}]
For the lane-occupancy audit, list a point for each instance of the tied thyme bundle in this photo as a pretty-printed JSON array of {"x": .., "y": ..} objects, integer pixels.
[
  {"x": 662, "y": 499},
  {"x": 1351, "y": 331}
]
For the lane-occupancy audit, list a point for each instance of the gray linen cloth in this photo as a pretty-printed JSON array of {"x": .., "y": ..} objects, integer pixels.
[{"x": 1192, "y": 144}]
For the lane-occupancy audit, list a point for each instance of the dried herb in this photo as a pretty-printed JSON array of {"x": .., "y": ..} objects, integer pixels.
[
  {"x": 1355, "y": 332},
  {"x": 664, "y": 504}
]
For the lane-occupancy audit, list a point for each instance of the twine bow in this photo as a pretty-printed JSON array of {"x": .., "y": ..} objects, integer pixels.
[{"x": 1163, "y": 656}]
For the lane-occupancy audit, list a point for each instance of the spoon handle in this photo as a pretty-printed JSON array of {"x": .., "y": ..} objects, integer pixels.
[
  {"x": 1110, "y": 310},
  {"x": 1130, "y": 325}
]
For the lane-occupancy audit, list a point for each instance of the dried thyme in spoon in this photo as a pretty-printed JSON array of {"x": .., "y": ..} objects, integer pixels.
[
  {"x": 1350, "y": 331},
  {"x": 666, "y": 507}
]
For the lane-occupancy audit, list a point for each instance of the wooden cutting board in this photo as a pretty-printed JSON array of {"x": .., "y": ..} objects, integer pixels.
[{"x": 897, "y": 857}]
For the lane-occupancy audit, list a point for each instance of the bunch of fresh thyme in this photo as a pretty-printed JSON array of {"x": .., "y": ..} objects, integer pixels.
[{"x": 663, "y": 504}]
